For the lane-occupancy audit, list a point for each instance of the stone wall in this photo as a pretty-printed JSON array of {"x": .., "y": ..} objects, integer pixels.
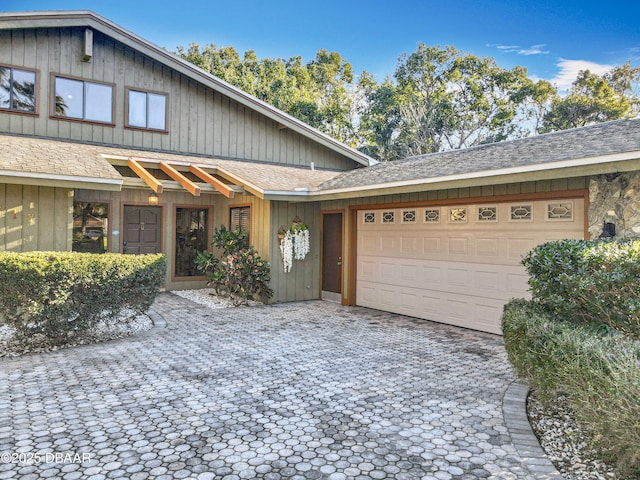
[{"x": 615, "y": 198}]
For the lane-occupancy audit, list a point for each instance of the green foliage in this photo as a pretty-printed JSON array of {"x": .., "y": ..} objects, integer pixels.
[
  {"x": 63, "y": 294},
  {"x": 598, "y": 370},
  {"x": 228, "y": 241},
  {"x": 245, "y": 276},
  {"x": 580, "y": 336},
  {"x": 589, "y": 282},
  {"x": 443, "y": 99},
  {"x": 595, "y": 98},
  {"x": 240, "y": 273}
]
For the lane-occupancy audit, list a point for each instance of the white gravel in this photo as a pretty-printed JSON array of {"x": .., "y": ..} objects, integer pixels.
[
  {"x": 564, "y": 442},
  {"x": 208, "y": 298},
  {"x": 125, "y": 325}
]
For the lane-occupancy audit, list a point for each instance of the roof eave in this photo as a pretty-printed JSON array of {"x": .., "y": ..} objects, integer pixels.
[
  {"x": 61, "y": 181},
  {"x": 622, "y": 162}
]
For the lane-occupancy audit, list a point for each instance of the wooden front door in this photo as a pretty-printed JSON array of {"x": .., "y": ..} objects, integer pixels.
[
  {"x": 332, "y": 256},
  {"x": 142, "y": 229}
]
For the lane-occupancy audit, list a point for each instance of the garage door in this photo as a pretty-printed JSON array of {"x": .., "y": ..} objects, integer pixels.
[{"x": 456, "y": 264}]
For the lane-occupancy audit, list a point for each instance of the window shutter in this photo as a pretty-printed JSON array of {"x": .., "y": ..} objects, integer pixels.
[{"x": 241, "y": 217}]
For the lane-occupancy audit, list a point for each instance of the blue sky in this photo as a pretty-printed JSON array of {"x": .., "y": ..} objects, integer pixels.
[{"x": 553, "y": 39}]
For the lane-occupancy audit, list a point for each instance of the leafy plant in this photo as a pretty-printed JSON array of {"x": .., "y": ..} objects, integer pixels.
[
  {"x": 227, "y": 240},
  {"x": 580, "y": 336},
  {"x": 240, "y": 273},
  {"x": 589, "y": 282},
  {"x": 245, "y": 276}
]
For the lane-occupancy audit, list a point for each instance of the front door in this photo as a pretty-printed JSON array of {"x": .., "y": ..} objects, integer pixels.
[
  {"x": 332, "y": 256},
  {"x": 142, "y": 229}
]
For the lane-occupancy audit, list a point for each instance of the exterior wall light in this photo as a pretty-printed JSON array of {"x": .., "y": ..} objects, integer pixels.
[
  {"x": 608, "y": 230},
  {"x": 153, "y": 198}
]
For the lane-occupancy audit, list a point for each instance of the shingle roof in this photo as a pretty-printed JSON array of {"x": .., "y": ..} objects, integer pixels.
[
  {"x": 593, "y": 141},
  {"x": 36, "y": 157}
]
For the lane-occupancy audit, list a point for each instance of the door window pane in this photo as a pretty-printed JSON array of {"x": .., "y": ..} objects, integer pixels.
[
  {"x": 192, "y": 227},
  {"x": 90, "y": 227}
]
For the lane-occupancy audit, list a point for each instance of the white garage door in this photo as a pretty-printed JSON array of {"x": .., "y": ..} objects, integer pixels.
[{"x": 455, "y": 264}]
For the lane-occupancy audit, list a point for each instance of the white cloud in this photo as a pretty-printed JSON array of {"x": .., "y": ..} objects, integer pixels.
[
  {"x": 506, "y": 48},
  {"x": 569, "y": 70},
  {"x": 532, "y": 50}
]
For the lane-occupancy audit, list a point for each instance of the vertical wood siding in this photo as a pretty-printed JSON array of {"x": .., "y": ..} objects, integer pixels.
[
  {"x": 303, "y": 281},
  {"x": 201, "y": 121},
  {"x": 35, "y": 218}
]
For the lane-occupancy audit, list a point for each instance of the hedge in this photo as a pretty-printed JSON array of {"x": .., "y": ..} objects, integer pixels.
[
  {"x": 598, "y": 369},
  {"x": 580, "y": 336},
  {"x": 62, "y": 294},
  {"x": 589, "y": 282}
]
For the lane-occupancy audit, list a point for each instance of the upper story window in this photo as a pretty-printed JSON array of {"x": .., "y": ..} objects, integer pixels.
[
  {"x": 17, "y": 89},
  {"x": 146, "y": 110},
  {"x": 83, "y": 100}
]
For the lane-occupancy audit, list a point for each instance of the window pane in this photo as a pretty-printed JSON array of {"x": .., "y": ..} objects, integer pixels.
[
  {"x": 99, "y": 103},
  {"x": 240, "y": 217},
  {"x": 69, "y": 97},
  {"x": 24, "y": 91},
  {"x": 192, "y": 225},
  {"x": 5, "y": 82},
  {"x": 157, "y": 111},
  {"x": 90, "y": 227},
  {"x": 137, "y": 109}
]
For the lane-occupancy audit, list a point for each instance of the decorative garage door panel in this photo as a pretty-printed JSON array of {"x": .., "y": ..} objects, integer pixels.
[{"x": 455, "y": 264}]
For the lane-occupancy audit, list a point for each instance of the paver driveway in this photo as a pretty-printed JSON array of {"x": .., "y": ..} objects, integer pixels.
[{"x": 304, "y": 390}]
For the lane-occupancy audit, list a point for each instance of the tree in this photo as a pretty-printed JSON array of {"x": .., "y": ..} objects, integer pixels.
[
  {"x": 379, "y": 115},
  {"x": 595, "y": 98},
  {"x": 316, "y": 93},
  {"x": 442, "y": 99}
]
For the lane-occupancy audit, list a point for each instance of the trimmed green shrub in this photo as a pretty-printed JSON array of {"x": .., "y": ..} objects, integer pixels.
[
  {"x": 589, "y": 282},
  {"x": 63, "y": 294},
  {"x": 598, "y": 369},
  {"x": 240, "y": 274}
]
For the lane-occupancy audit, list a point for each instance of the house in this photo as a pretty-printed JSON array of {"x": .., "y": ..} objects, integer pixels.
[
  {"x": 96, "y": 124},
  {"x": 109, "y": 143}
]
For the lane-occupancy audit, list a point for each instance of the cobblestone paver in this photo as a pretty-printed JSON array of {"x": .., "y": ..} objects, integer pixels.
[{"x": 302, "y": 391}]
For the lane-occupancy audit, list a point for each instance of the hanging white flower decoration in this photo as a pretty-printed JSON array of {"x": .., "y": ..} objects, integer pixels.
[
  {"x": 301, "y": 244},
  {"x": 286, "y": 250},
  {"x": 294, "y": 243}
]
